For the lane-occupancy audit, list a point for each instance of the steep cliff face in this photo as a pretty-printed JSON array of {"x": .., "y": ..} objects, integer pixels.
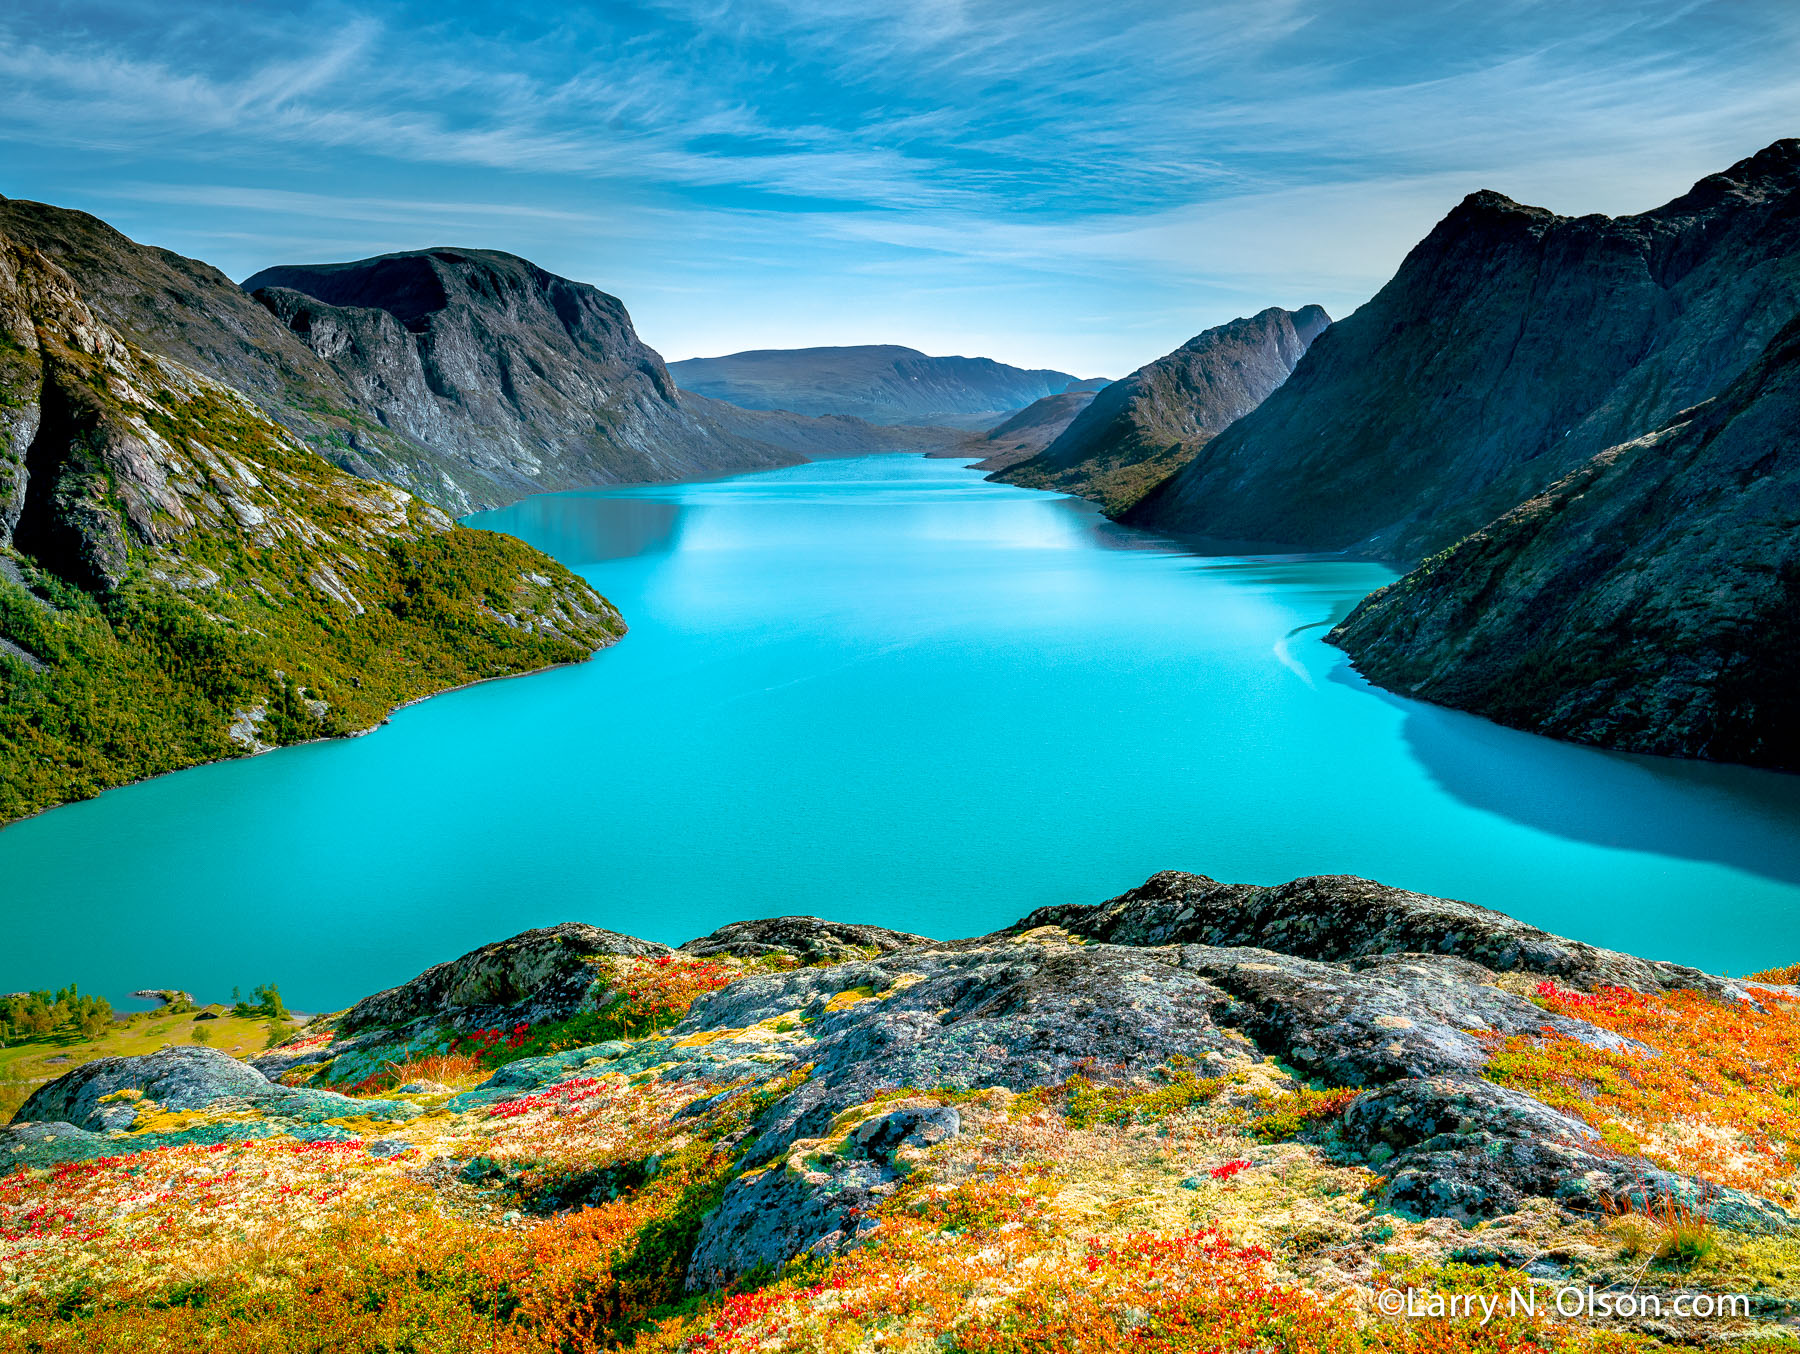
[
  {"x": 883, "y": 383},
  {"x": 181, "y": 579},
  {"x": 1649, "y": 601},
  {"x": 1512, "y": 345},
  {"x": 523, "y": 379},
  {"x": 488, "y": 379},
  {"x": 188, "y": 311},
  {"x": 1138, "y": 431}
]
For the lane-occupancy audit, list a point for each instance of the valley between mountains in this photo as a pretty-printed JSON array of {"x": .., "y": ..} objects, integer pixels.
[
  {"x": 225, "y": 511},
  {"x": 1200, "y": 1115}
]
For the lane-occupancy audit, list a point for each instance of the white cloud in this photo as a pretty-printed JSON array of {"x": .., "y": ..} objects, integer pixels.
[{"x": 1153, "y": 161}]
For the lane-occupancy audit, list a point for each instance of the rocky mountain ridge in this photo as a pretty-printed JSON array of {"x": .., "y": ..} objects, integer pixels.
[
  {"x": 1646, "y": 601},
  {"x": 1389, "y": 1070},
  {"x": 525, "y": 380},
  {"x": 1512, "y": 345},
  {"x": 884, "y": 383},
  {"x": 488, "y": 379},
  {"x": 1140, "y": 430}
]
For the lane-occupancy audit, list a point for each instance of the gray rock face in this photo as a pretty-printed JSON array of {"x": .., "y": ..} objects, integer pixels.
[
  {"x": 810, "y": 940},
  {"x": 1466, "y": 1149},
  {"x": 1512, "y": 345},
  {"x": 84, "y": 1106},
  {"x": 1033, "y": 1009},
  {"x": 1375, "y": 1021},
  {"x": 1340, "y": 917},
  {"x": 529, "y": 380},
  {"x": 1648, "y": 601},
  {"x": 536, "y": 975},
  {"x": 882, "y": 383},
  {"x": 1014, "y": 1015},
  {"x": 1142, "y": 429},
  {"x": 814, "y": 1202},
  {"x": 176, "y": 1078}
]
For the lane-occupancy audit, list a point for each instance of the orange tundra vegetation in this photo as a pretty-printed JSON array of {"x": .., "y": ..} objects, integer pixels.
[
  {"x": 1716, "y": 1092},
  {"x": 1118, "y": 1211}
]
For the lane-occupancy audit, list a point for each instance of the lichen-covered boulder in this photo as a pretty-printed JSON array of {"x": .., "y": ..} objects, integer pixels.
[
  {"x": 820, "y": 1198},
  {"x": 1464, "y": 1148},
  {"x": 1014, "y": 1015},
  {"x": 104, "y": 1095},
  {"x": 1377, "y": 1019},
  {"x": 536, "y": 975},
  {"x": 807, "y": 940},
  {"x": 1340, "y": 917},
  {"x": 118, "y": 1105}
]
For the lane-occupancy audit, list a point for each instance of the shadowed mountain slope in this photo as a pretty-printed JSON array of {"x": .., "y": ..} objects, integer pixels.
[
  {"x": 1140, "y": 430},
  {"x": 1649, "y": 601},
  {"x": 1512, "y": 345}
]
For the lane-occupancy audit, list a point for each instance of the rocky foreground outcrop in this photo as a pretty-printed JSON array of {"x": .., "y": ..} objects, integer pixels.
[
  {"x": 857, "y": 1052},
  {"x": 1512, "y": 345},
  {"x": 1647, "y": 601},
  {"x": 1138, "y": 431}
]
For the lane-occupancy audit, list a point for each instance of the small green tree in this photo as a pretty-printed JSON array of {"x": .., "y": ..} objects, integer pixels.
[
  {"x": 94, "y": 1017},
  {"x": 265, "y": 1000}
]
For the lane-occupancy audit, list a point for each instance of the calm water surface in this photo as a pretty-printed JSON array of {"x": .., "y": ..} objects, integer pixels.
[{"x": 882, "y": 690}]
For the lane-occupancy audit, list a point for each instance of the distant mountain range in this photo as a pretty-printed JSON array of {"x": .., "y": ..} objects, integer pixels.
[
  {"x": 1140, "y": 430},
  {"x": 882, "y": 383}
]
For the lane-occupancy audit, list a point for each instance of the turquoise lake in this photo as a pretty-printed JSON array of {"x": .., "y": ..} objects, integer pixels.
[{"x": 882, "y": 689}]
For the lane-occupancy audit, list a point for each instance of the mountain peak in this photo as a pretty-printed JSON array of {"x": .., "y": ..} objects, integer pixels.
[{"x": 1142, "y": 429}]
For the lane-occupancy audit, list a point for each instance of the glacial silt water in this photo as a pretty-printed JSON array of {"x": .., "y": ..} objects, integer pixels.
[{"x": 884, "y": 690}]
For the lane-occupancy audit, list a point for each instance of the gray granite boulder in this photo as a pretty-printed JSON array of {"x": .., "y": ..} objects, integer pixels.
[
  {"x": 536, "y": 975},
  {"x": 808, "y": 940},
  {"x": 1340, "y": 917}
]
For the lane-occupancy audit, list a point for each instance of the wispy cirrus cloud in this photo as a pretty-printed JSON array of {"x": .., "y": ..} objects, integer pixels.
[{"x": 824, "y": 164}]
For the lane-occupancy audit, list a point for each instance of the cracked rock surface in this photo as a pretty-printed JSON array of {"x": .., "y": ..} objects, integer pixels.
[{"x": 1331, "y": 981}]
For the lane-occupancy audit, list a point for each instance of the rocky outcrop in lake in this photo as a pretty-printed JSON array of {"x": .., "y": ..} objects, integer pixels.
[
  {"x": 1646, "y": 601},
  {"x": 1139, "y": 431},
  {"x": 1512, "y": 345}
]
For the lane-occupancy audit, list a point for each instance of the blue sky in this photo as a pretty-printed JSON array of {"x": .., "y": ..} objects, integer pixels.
[{"x": 1064, "y": 183}]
